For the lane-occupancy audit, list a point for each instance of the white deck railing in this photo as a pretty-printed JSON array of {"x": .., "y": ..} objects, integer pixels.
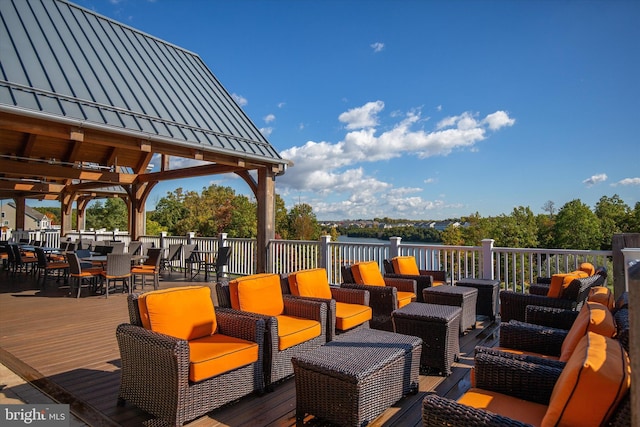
[{"x": 515, "y": 268}]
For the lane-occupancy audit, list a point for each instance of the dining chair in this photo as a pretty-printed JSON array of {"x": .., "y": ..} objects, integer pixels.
[
  {"x": 80, "y": 275},
  {"x": 118, "y": 269},
  {"x": 166, "y": 263},
  {"x": 45, "y": 266},
  {"x": 150, "y": 267}
]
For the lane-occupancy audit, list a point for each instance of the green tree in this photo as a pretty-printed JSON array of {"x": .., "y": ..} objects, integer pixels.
[
  {"x": 303, "y": 224},
  {"x": 545, "y": 231},
  {"x": 170, "y": 210},
  {"x": 452, "y": 235},
  {"x": 577, "y": 227},
  {"x": 613, "y": 213},
  {"x": 282, "y": 219},
  {"x": 112, "y": 215},
  {"x": 244, "y": 221},
  {"x": 634, "y": 219}
]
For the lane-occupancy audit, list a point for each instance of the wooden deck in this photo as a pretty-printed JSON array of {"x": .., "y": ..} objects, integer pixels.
[{"x": 67, "y": 348}]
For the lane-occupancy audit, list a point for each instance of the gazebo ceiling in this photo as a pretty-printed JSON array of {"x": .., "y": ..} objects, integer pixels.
[{"x": 86, "y": 102}]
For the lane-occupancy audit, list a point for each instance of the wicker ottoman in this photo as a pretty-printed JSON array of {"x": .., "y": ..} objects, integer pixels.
[
  {"x": 354, "y": 378},
  {"x": 438, "y": 326},
  {"x": 461, "y": 296},
  {"x": 488, "y": 290}
]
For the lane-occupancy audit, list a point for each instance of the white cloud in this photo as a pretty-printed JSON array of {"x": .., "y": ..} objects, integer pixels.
[
  {"x": 266, "y": 131},
  {"x": 241, "y": 100},
  {"x": 595, "y": 179},
  {"x": 627, "y": 181},
  {"x": 269, "y": 118},
  {"x": 333, "y": 170},
  {"x": 362, "y": 117},
  {"x": 498, "y": 120},
  {"x": 281, "y": 104},
  {"x": 377, "y": 46}
]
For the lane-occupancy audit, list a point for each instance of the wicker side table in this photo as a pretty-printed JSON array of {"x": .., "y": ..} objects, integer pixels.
[
  {"x": 354, "y": 378},
  {"x": 460, "y": 296},
  {"x": 438, "y": 326},
  {"x": 488, "y": 290}
]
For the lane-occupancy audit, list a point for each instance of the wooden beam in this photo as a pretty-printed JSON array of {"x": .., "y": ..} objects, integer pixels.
[
  {"x": 204, "y": 170},
  {"x": 45, "y": 170},
  {"x": 36, "y": 187}
]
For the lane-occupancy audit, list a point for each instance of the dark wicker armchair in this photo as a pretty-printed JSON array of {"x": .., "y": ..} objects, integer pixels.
[
  {"x": 513, "y": 304},
  {"x": 516, "y": 389},
  {"x": 277, "y": 361},
  {"x": 425, "y": 278},
  {"x": 382, "y": 299},
  {"x": 347, "y": 309},
  {"x": 155, "y": 373}
]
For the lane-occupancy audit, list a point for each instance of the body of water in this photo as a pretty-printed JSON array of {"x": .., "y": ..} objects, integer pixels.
[{"x": 347, "y": 239}]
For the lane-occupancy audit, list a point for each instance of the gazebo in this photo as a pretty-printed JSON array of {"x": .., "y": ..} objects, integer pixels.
[{"x": 86, "y": 103}]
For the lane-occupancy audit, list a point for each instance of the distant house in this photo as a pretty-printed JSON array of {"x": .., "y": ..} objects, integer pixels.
[{"x": 33, "y": 219}]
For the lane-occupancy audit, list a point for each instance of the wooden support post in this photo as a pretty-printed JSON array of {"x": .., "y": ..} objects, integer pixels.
[{"x": 266, "y": 200}]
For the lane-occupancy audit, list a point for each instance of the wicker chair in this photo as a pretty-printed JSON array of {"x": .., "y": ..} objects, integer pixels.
[
  {"x": 45, "y": 267},
  {"x": 150, "y": 267},
  {"x": 134, "y": 247},
  {"x": 382, "y": 299},
  {"x": 542, "y": 284},
  {"x": 118, "y": 269},
  {"x": 513, "y": 304},
  {"x": 80, "y": 275},
  {"x": 424, "y": 278},
  {"x": 155, "y": 374},
  {"x": 166, "y": 263},
  {"x": 277, "y": 363},
  {"x": 347, "y": 309}
]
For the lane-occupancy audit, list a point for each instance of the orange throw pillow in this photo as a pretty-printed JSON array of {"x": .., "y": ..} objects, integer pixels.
[
  {"x": 258, "y": 293},
  {"x": 591, "y": 385},
  {"x": 310, "y": 283},
  {"x": 588, "y": 268},
  {"x": 593, "y": 317},
  {"x": 405, "y": 265},
  {"x": 367, "y": 273},
  {"x": 558, "y": 284},
  {"x": 185, "y": 313}
]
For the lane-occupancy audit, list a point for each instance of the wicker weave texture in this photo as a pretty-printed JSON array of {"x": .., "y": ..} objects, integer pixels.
[
  {"x": 333, "y": 384},
  {"x": 155, "y": 370},
  {"x": 463, "y": 297},
  {"x": 487, "y": 303},
  {"x": 438, "y": 326}
]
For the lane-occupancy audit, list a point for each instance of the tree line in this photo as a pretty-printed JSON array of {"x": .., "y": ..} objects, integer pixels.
[{"x": 218, "y": 209}]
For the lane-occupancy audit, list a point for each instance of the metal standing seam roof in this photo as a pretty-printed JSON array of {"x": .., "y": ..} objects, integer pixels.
[{"x": 70, "y": 64}]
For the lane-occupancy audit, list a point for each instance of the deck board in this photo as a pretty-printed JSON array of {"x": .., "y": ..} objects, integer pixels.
[{"x": 68, "y": 348}]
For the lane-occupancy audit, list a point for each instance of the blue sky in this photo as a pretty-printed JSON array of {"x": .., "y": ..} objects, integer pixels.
[{"x": 422, "y": 109}]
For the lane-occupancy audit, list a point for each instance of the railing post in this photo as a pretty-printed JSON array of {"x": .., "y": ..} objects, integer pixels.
[
  {"x": 163, "y": 237},
  {"x": 222, "y": 239},
  {"x": 394, "y": 246},
  {"x": 323, "y": 254},
  {"x": 487, "y": 259},
  {"x": 190, "y": 236}
]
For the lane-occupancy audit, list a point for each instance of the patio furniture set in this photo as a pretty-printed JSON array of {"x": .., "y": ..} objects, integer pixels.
[{"x": 182, "y": 357}]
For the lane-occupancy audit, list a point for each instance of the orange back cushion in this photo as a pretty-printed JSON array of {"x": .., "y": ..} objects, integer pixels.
[
  {"x": 588, "y": 268},
  {"x": 558, "y": 283},
  {"x": 367, "y": 273},
  {"x": 603, "y": 295},
  {"x": 593, "y": 317},
  {"x": 310, "y": 283},
  {"x": 258, "y": 293},
  {"x": 405, "y": 265},
  {"x": 186, "y": 313},
  {"x": 591, "y": 385}
]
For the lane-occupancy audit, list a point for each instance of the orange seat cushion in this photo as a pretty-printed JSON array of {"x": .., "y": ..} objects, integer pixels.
[
  {"x": 186, "y": 313},
  {"x": 405, "y": 265},
  {"x": 351, "y": 315},
  {"x": 367, "y": 273},
  {"x": 438, "y": 283},
  {"x": 505, "y": 405},
  {"x": 593, "y": 317},
  {"x": 591, "y": 385},
  {"x": 295, "y": 330},
  {"x": 215, "y": 354},
  {"x": 404, "y": 298},
  {"x": 603, "y": 295},
  {"x": 258, "y": 293},
  {"x": 559, "y": 282},
  {"x": 310, "y": 283},
  {"x": 588, "y": 268}
]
